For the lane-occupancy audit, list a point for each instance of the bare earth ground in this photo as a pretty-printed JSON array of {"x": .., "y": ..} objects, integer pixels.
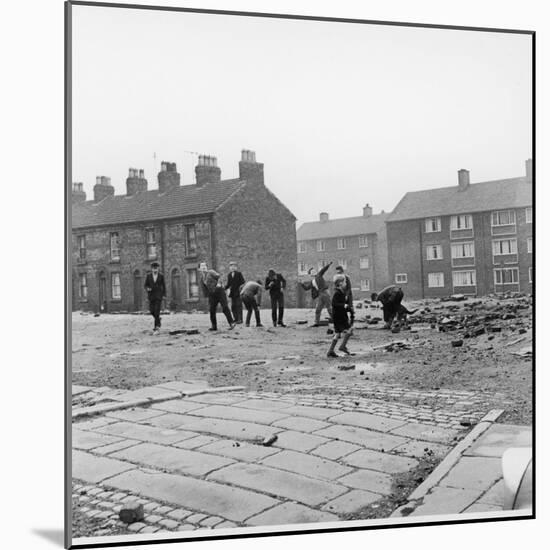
[{"x": 120, "y": 351}]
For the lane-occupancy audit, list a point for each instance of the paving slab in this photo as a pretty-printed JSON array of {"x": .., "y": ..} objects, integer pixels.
[
  {"x": 311, "y": 466},
  {"x": 500, "y": 437},
  {"x": 169, "y": 458},
  {"x": 130, "y": 430},
  {"x": 237, "y": 413},
  {"x": 368, "y": 421},
  {"x": 113, "y": 447},
  {"x": 351, "y": 502},
  {"x": 183, "y": 385},
  {"x": 246, "y": 452},
  {"x": 261, "y": 404},
  {"x": 301, "y": 424},
  {"x": 375, "y": 482},
  {"x": 181, "y": 406},
  {"x": 216, "y": 399},
  {"x": 147, "y": 393},
  {"x": 289, "y": 513},
  {"x": 279, "y": 483},
  {"x": 94, "y": 469},
  {"x": 166, "y": 420},
  {"x": 446, "y": 500},
  {"x": 86, "y": 440},
  {"x": 417, "y": 449},
  {"x": 495, "y": 495},
  {"x": 94, "y": 423},
  {"x": 480, "y": 507},
  {"x": 363, "y": 437},
  {"x": 79, "y": 390},
  {"x": 135, "y": 415},
  {"x": 319, "y": 413},
  {"x": 231, "y": 503},
  {"x": 382, "y": 462},
  {"x": 426, "y": 432},
  {"x": 298, "y": 441},
  {"x": 195, "y": 442},
  {"x": 477, "y": 473},
  {"x": 333, "y": 450}
]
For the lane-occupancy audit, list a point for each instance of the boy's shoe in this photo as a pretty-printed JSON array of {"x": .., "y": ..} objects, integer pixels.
[
  {"x": 331, "y": 354},
  {"x": 232, "y": 326},
  {"x": 213, "y": 328},
  {"x": 281, "y": 324},
  {"x": 260, "y": 325}
]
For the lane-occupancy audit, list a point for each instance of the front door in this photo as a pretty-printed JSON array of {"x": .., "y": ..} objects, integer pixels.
[
  {"x": 175, "y": 303},
  {"x": 102, "y": 298},
  {"x": 138, "y": 292}
]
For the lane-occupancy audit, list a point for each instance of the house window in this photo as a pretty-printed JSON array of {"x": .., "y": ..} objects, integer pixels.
[
  {"x": 341, "y": 244},
  {"x": 400, "y": 278},
  {"x": 365, "y": 285},
  {"x": 432, "y": 225},
  {"x": 462, "y": 250},
  {"x": 81, "y": 243},
  {"x": 530, "y": 274},
  {"x": 320, "y": 246},
  {"x": 506, "y": 275},
  {"x": 529, "y": 215},
  {"x": 192, "y": 284},
  {"x": 82, "y": 286},
  {"x": 302, "y": 268},
  {"x": 529, "y": 245},
  {"x": 115, "y": 286},
  {"x": 464, "y": 221},
  {"x": 464, "y": 278},
  {"x": 322, "y": 263},
  {"x": 191, "y": 240},
  {"x": 434, "y": 252},
  {"x": 301, "y": 247},
  {"x": 151, "y": 244},
  {"x": 503, "y": 217},
  {"x": 363, "y": 241},
  {"x": 343, "y": 263},
  {"x": 364, "y": 262},
  {"x": 436, "y": 280},
  {"x": 505, "y": 246},
  {"x": 115, "y": 247}
]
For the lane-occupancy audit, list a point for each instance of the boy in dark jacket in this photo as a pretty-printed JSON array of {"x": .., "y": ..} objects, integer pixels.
[
  {"x": 342, "y": 324},
  {"x": 156, "y": 292},
  {"x": 235, "y": 281},
  {"x": 213, "y": 289},
  {"x": 276, "y": 284},
  {"x": 319, "y": 291},
  {"x": 390, "y": 298}
]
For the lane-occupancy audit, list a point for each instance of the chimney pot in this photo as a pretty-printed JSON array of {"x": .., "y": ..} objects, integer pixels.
[
  {"x": 367, "y": 210},
  {"x": 323, "y": 217},
  {"x": 529, "y": 170},
  {"x": 207, "y": 170},
  {"x": 103, "y": 188},
  {"x": 168, "y": 177},
  {"x": 463, "y": 179}
]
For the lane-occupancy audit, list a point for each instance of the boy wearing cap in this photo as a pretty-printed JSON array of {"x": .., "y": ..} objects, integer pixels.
[{"x": 156, "y": 292}]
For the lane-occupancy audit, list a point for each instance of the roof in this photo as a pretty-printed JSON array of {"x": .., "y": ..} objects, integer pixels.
[
  {"x": 341, "y": 227},
  {"x": 478, "y": 197},
  {"x": 186, "y": 200}
]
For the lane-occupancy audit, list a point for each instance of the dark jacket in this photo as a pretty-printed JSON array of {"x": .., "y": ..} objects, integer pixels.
[
  {"x": 235, "y": 281},
  {"x": 390, "y": 296},
  {"x": 209, "y": 282},
  {"x": 275, "y": 284},
  {"x": 155, "y": 290}
]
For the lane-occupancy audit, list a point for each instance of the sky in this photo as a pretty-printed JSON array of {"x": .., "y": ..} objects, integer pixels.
[{"x": 340, "y": 114}]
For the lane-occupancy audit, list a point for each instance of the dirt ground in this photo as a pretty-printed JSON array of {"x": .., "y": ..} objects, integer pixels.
[{"x": 120, "y": 351}]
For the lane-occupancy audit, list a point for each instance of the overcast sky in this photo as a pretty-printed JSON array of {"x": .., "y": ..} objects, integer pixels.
[{"x": 340, "y": 114}]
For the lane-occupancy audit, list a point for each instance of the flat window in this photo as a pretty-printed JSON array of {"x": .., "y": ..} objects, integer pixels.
[
  {"x": 150, "y": 239},
  {"x": 505, "y": 246},
  {"x": 432, "y": 225},
  {"x": 464, "y": 278},
  {"x": 341, "y": 244},
  {"x": 365, "y": 285},
  {"x": 462, "y": 250},
  {"x": 320, "y": 246},
  {"x": 506, "y": 275},
  {"x": 302, "y": 268},
  {"x": 434, "y": 252},
  {"x": 463, "y": 221},
  {"x": 81, "y": 243},
  {"x": 191, "y": 239},
  {"x": 401, "y": 278},
  {"x": 301, "y": 247},
  {"x": 529, "y": 215},
  {"x": 436, "y": 280},
  {"x": 364, "y": 262},
  {"x": 115, "y": 286},
  {"x": 82, "y": 286},
  {"x": 363, "y": 241},
  {"x": 115, "y": 247},
  {"x": 503, "y": 217},
  {"x": 192, "y": 284},
  {"x": 529, "y": 245}
]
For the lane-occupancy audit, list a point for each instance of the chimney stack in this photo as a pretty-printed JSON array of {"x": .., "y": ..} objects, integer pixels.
[
  {"x": 463, "y": 179},
  {"x": 78, "y": 194},
  {"x": 323, "y": 217},
  {"x": 367, "y": 210},
  {"x": 103, "y": 188},
  {"x": 168, "y": 177},
  {"x": 529, "y": 170},
  {"x": 135, "y": 182},
  {"x": 249, "y": 169},
  {"x": 207, "y": 170}
]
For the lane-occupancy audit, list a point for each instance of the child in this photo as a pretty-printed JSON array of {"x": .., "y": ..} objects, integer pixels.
[{"x": 340, "y": 317}]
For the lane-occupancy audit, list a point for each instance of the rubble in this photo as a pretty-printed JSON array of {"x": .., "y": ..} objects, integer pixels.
[
  {"x": 346, "y": 367},
  {"x": 457, "y": 343}
]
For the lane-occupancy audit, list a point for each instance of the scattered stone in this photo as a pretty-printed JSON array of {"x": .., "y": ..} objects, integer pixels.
[
  {"x": 330, "y": 331},
  {"x": 192, "y": 331},
  {"x": 301, "y": 322},
  {"x": 269, "y": 440},
  {"x": 131, "y": 512},
  {"x": 176, "y": 332},
  {"x": 255, "y": 363},
  {"x": 346, "y": 367},
  {"x": 457, "y": 343}
]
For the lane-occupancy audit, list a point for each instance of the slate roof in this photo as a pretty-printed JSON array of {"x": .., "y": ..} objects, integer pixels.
[
  {"x": 341, "y": 227},
  {"x": 186, "y": 200},
  {"x": 479, "y": 197}
]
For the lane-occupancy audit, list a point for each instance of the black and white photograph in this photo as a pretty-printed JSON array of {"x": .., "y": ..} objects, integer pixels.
[{"x": 300, "y": 273}]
